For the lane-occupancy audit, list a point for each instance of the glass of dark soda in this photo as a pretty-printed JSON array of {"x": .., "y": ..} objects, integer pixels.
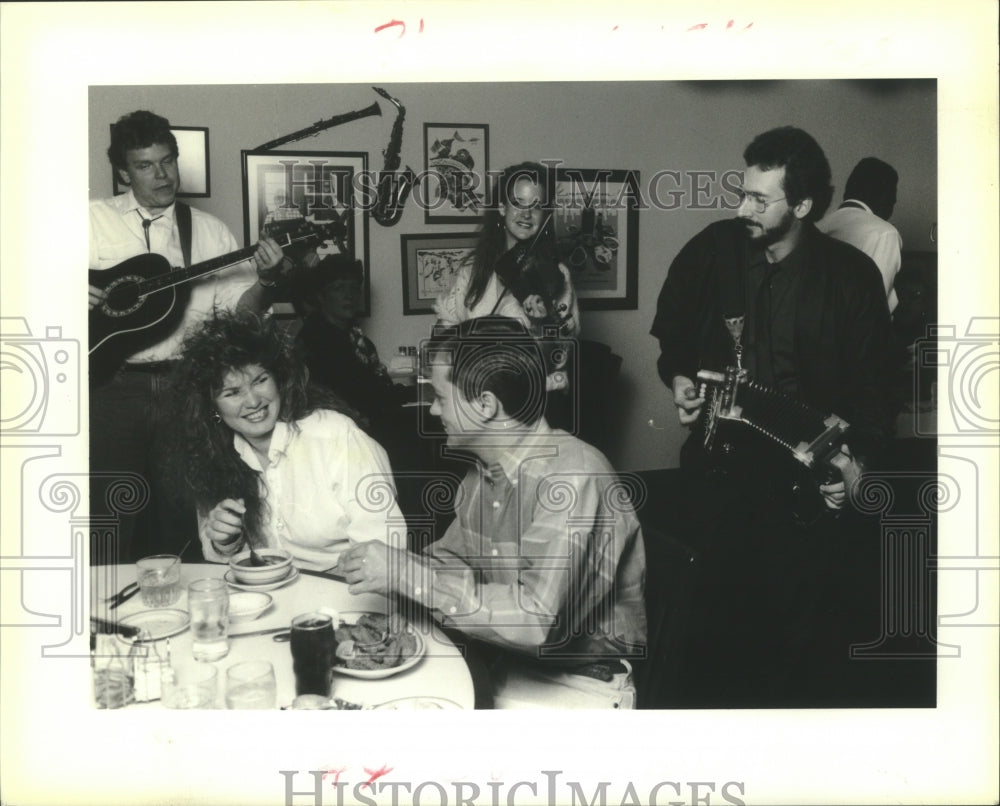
[{"x": 314, "y": 644}]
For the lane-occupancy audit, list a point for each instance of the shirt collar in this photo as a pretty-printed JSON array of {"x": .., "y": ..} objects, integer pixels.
[
  {"x": 281, "y": 437},
  {"x": 527, "y": 446},
  {"x": 127, "y": 203},
  {"x": 857, "y": 203}
]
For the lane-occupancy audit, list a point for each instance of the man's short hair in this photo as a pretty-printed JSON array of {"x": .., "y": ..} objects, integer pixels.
[
  {"x": 140, "y": 129},
  {"x": 494, "y": 354},
  {"x": 807, "y": 171},
  {"x": 871, "y": 180}
]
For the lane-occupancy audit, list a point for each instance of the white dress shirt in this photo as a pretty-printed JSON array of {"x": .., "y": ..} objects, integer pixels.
[
  {"x": 116, "y": 234},
  {"x": 327, "y": 485},
  {"x": 874, "y": 236}
]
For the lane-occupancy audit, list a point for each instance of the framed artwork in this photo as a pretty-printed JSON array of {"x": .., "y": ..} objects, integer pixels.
[
  {"x": 596, "y": 223},
  {"x": 319, "y": 186},
  {"x": 430, "y": 263},
  {"x": 192, "y": 160},
  {"x": 456, "y": 161}
]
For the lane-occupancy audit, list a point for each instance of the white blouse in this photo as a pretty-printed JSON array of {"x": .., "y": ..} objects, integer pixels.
[{"x": 327, "y": 485}]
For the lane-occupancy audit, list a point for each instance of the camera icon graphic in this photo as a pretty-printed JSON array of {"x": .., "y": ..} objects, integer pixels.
[
  {"x": 40, "y": 381},
  {"x": 971, "y": 378}
]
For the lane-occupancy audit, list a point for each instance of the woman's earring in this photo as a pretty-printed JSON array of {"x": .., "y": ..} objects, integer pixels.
[{"x": 217, "y": 417}]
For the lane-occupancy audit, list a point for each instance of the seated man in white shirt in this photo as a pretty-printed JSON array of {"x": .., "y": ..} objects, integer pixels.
[
  {"x": 545, "y": 560},
  {"x": 862, "y": 220}
]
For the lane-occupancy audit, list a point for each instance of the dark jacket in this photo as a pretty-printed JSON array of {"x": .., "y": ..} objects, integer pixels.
[{"x": 842, "y": 330}]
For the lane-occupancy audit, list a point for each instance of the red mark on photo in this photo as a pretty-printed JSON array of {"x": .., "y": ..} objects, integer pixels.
[{"x": 375, "y": 774}]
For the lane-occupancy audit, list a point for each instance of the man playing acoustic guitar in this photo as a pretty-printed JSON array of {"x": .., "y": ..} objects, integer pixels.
[{"x": 124, "y": 408}]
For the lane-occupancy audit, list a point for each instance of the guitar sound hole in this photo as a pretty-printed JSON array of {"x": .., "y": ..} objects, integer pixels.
[{"x": 123, "y": 297}]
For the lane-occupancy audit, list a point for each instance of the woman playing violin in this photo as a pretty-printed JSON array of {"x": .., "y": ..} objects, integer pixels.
[{"x": 514, "y": 270}]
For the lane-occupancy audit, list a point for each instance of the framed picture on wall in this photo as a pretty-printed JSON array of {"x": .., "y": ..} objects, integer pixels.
[
  {"x": 318, "y": 186},
  {"x": 192, "y": 161},
  {"x": 596, "y": 223},
  {"x": 456, "y": 161},
  {"x": 430, "y": 262}
]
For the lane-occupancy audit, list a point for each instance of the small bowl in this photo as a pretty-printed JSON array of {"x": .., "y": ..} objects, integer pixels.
[
  {"x": 247, "y": 606},
  {"x": 279, "y": 565}
]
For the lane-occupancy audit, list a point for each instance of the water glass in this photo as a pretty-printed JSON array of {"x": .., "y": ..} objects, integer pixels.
[
  {"x": 194, "y": 685},
  {"x": 251, "y": 685},
  {"x": 159, "y": 579},
  {"x": 314, "y": 645},
  {"x": 208, "y": 604}
]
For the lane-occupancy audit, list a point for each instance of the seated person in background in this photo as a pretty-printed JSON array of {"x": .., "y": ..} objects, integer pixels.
[
  {"x": 862, "y": 220},
  {"x": 544, "y": 564},
  {"x": 336, "y": 350},
  {"x": 267, "y": 459},
  {"x": 342, "y": 359}
]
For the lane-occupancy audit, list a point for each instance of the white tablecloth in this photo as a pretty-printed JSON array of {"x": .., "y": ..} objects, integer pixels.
[{"x": 441, "y": 673}]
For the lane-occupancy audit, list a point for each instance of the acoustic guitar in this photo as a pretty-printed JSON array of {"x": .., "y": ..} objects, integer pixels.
[{"x": 146, "y": 297}]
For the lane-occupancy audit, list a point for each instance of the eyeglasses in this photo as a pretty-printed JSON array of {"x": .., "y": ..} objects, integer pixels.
[{"x": 757, "y": 204}]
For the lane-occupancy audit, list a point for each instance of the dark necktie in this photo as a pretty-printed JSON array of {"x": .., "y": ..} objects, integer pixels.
[{"x": 146, "y": 224}]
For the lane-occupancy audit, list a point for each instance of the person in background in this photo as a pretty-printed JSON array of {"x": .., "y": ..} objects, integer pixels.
[
  {"x": 267, "y": 459},
  {"x": 341, "y": 358},
  {"x": 542, "y": 571},
  {"x": 862, "y": 219},
  {"x": 125, "y": 410},
  {"x": 335, "y": 348},
  {"x": 804, "y": 315}
]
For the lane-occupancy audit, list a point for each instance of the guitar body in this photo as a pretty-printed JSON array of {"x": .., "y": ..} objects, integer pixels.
[
  {"x": 146, "y": 298},
  {"x": 128, "y": 320}
]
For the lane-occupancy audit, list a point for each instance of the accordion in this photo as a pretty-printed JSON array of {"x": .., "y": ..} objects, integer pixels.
[{"x": 809, "y": 436}]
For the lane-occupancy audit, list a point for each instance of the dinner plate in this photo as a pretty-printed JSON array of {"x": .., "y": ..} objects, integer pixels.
[
  {"x": 419, "y": 704},
  {"x": 158, "y": 623},
  {"x": 265, "y": 586},
  {"x": 378, "y": 674}
]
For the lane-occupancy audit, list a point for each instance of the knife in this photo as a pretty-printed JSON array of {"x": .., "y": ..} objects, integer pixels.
[{"x": 260, "y": 632}]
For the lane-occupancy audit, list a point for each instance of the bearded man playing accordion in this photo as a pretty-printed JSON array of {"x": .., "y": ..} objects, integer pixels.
[{"x": 805, "y": 317}]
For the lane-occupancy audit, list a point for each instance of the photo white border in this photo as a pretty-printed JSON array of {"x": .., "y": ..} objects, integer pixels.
[{"x": 57, "y": 750}]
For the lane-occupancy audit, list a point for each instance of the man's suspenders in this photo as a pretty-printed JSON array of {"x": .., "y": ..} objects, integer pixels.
[{"x": 182, "y": 215}]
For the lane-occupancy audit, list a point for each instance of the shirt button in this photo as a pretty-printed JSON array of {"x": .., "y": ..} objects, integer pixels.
[
  {"x": 418, "y": 591},
  {"x": 496, "y": 505},
  {"x": 494, "y": 552},
  {"x": 453, "y": 610}
]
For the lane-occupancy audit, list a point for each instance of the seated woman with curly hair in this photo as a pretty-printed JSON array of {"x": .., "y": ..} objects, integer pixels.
[{"x": 268, "y": 460}]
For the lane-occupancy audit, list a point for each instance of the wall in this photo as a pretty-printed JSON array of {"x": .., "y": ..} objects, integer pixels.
[{"x": 643, "y": 126}]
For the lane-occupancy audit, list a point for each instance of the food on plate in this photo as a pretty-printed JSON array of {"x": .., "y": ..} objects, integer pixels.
[{"x": 368, "y": 644}]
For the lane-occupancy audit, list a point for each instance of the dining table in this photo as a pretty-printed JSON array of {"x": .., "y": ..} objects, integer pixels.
[{"x": 439, "y": 678}]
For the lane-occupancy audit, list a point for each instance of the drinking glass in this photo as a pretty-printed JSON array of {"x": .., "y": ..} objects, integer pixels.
[
  {"x": 314, "y": 644},
  {"x": 159, "y": 578},
  {"x": 208, "y": 604},
  {"x": 251, "y": 685},
  {"x": 194, "y": 685}
]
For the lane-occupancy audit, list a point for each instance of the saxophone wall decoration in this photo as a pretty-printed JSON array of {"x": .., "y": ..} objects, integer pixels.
[{"x": 393, "y": 187}]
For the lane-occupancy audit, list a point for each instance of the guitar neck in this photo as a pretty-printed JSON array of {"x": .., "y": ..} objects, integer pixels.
[{"x": 178, "y": 276}]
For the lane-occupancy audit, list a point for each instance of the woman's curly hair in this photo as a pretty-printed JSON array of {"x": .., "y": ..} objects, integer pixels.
[{"x": 202, "y": 461}]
